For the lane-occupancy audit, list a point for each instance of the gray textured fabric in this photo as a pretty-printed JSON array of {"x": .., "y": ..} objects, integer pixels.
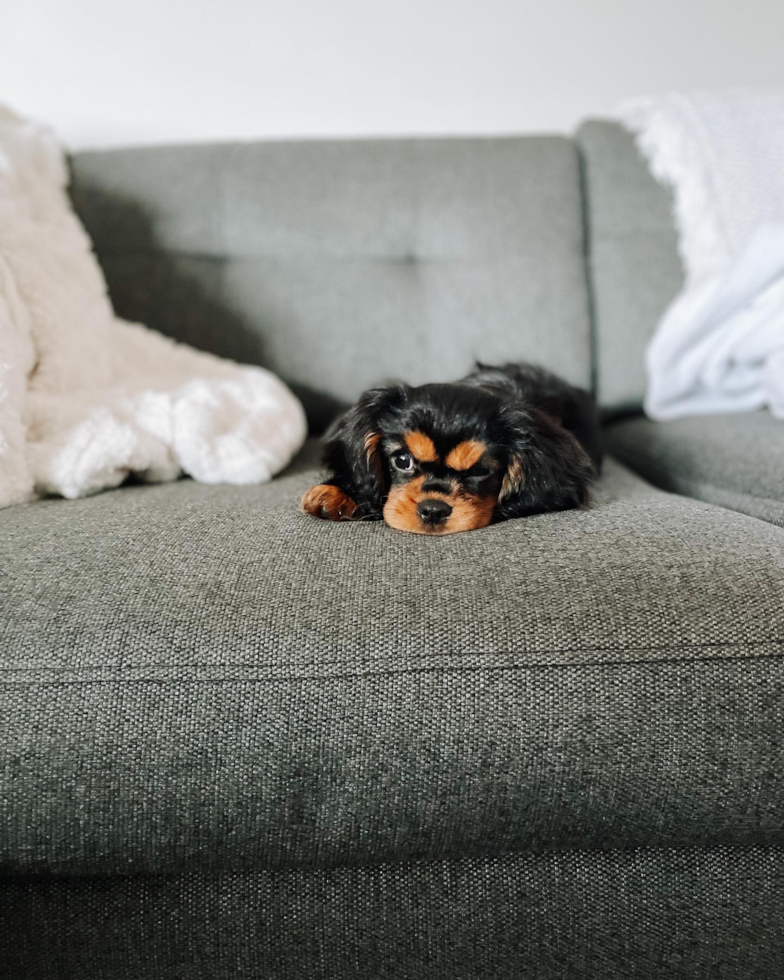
[
  {"x": 202, "y": 677},
  {"x": 735, "y": 461},
  {"x": 341, "y": 264},
  {"x": 646, "y": 914},
  {"x": 633, "y": 262},
  {"x": 239, "y": 742}
]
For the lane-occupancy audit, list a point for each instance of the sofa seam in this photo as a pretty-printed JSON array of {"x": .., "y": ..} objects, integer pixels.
[
  {"x": 711, "y": 645},
  {"x": 405, "y": 671},
  {"x": 26, "y": 878}
]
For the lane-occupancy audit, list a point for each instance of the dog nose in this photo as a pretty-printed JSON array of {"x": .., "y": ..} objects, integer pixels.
[{"x": 433, "y": 511}]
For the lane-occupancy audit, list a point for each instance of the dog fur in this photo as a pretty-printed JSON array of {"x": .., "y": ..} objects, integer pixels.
[{"x": 504, "y": 442}]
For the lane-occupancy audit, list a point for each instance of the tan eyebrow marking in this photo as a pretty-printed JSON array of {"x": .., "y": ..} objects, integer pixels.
[
  {"x": 421, "y": 446},
  {"x": 466, "y": 454}
]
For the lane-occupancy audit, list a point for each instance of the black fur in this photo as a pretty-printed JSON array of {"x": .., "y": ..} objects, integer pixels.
[{"x": 525, "y": 415}]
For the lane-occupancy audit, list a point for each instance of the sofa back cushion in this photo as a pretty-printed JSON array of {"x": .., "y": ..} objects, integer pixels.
[
  {"x": 633, "y": 260},
  {"x": 340, "y": 264}
]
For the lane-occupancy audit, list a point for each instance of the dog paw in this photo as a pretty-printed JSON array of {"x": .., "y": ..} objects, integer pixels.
[{"x": 329, "y": 503}]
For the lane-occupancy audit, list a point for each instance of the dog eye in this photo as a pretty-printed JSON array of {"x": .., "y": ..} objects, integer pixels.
[
  {"x": 403, "y": 462},
  {"x": 479, "y": 471}
]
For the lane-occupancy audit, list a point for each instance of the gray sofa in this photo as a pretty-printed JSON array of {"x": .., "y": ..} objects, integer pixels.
[{"x": 239, "y": 742}]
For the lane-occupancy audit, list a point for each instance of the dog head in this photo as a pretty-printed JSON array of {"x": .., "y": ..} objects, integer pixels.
[{"x": 443, "y": 458}]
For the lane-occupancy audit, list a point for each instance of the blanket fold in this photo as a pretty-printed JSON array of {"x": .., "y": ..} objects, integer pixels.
[
  {"x": 87, "y": 399},
  {"x": 720, "y": 345}
]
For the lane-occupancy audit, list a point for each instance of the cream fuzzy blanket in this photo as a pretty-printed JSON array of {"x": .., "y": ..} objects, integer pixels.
[{"x": 86, "y": 398}]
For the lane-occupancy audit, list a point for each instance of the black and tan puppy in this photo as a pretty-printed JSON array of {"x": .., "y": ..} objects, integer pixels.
[{"x": 504, "y": 442}]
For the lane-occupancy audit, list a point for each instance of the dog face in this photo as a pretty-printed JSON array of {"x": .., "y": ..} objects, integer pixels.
[
  {"x": 437, "y": 485},
  {"x": 444, "y": 458}
]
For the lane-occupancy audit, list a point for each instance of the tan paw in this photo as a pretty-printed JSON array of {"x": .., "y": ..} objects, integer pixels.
[{"x": 329, "y": 503}]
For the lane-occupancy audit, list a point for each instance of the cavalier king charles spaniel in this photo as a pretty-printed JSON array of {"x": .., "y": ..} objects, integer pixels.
[{"x": 504, "y": 442}]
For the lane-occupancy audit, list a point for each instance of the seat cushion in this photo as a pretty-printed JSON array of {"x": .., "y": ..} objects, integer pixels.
[
  {"x": 736, "y": 461},
  {"x": 201, "y": 677}
]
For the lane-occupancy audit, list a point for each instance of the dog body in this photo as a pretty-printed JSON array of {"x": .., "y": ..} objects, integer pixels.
[{"x": 504, "y": 442}]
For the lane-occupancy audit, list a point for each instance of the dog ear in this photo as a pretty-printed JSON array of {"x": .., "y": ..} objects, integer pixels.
[
  {"x": 547, "y": 468},
  {"x": 352, "y": 452}
]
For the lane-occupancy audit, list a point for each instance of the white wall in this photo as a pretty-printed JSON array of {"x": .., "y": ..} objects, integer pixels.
[{"x": 128, "y": 71}]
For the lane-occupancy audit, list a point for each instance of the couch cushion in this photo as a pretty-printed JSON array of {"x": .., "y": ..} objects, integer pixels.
[
  {"x": 736, "y": 461},
  {"x": 341, "y": 264},
  {"x": 633, "y": 261},
  {"x": 201, "y": 677}
]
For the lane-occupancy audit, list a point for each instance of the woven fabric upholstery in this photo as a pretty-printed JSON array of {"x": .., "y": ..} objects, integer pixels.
[
  {"x": 735, "y": 461},
  {"x": 633, "y": 261},
  {"x": 239, "y": 742},
  {"x": 206, "y": 678},
  {"x": 341, "y": 264},
  {"x": 647, "y": 914}
]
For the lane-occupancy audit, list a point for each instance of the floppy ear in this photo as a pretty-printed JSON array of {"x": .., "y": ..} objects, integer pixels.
[
  {"x": 547, "y": 468},
  {"x": 352, "y": 454}
]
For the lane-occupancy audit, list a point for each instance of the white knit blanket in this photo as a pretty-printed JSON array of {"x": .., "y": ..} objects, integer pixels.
[
  {"x": 87, "y": 399},
  {"x": 720, "y": 345}
]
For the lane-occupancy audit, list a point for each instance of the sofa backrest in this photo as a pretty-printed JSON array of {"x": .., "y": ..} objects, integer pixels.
[
  {"x": 633, "y": 262},
  {"x": 340, "y": 264}
]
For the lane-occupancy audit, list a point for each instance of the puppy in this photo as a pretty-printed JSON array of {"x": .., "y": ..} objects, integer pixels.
[{"x": 504, "y": 442}]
